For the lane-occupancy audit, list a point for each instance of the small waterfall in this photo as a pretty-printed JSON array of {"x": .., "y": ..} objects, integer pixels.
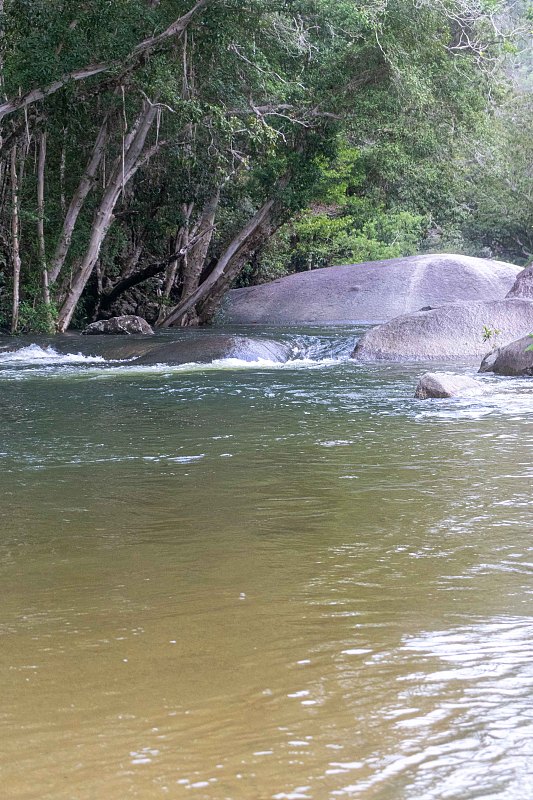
[
  {"x": 200, "y": 349},
  {"x": 321, "y": 348}
]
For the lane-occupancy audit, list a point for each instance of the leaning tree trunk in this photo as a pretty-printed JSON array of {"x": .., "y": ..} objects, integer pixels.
[
  {"x": 237, "y": 246},
  {"x": 256, "y": 242},
  {"x": 125, "y": 168},
  {"x": 77, "y": 201}
]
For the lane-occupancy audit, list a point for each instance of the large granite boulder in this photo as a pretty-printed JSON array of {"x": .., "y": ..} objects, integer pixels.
[
  {"x": 513, "y": 359},
  {"x": 122, "y": 326},
  {"x": 213, "y": 347},
  {"x": 371, "y": 292},
  {"x": 444, "y": 384},
  {"x": 453, "y": 331},
  {"x": 523, "y": 286}
]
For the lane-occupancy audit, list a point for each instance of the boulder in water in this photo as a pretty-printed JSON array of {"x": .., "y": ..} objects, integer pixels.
[
  {"x": 444, "y": 384},
  {"x": 208, "y": 347},
  {"x": 371, "y": 292},
  {"x": 452, "y": 331},
  {"x": 122, "y": 326},
  {"x": 513, "y": 359},
  {"x": 523, "y": 286}
]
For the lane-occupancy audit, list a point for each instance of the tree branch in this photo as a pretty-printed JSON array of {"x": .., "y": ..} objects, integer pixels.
[{"x": 178, "y": 27}]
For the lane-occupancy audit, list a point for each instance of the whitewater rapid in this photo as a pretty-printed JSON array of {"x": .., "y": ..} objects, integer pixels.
[
  {"x": 35, "y": 354},
  {"x": 388, "y": 385}
]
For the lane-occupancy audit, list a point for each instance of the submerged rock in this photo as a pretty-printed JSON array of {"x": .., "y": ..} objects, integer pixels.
[
  {"x": 523, "y": 286},
  {"x": 444, "y": 384},
  {"x": 122, "y": 326},
  {"x": 371, "y": 292},
  {"x": 212, "y": 347},
  {"x": 452, "y": 331},
  {"x": 514, "y": 359}
]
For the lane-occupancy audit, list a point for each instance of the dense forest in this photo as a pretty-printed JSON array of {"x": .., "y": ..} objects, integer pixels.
[{"x": 156, "y": 152}]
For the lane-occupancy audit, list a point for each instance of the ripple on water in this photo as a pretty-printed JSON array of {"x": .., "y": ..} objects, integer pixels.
[{"x": 338, "y": 610}]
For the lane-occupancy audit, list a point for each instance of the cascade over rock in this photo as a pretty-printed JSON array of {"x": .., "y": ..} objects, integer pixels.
[
  {"x": 199, "y": 345},
  {"x": 211, "y": 347},
  {"x": 375, "y": 291},
  {"x": 452, "y": 331}
]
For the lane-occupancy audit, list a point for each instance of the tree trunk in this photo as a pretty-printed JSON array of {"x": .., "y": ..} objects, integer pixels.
[
  {"x": 129, "y": 279},
  {"x": 40, "y": 221},
  {"x": 202, "y": 235},
  {"x": 240, "y": 244},
  {"x": 207, "y": 308},
  {"x": 180, "y": 247},
  {"x": 15, "y": 241},
  {"x": 62, "y": 174},
  {"x": 2, "y": 53},
  {"x": 171, "y": 271},
  {"x": 144, "y": 274},
  {"x": 76, "y": 204},
  {"x": 196, "y": 249},
  {"x": 125, "y": 168},
  {"x": 179, "y": 241}
]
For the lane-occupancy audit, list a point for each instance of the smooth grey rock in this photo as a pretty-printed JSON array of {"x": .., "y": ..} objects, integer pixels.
[
  {"x": 513, "y": 359},
  {"x": 451, "y": 331},
  {"x": 211, "y": 347},
  {"x": 488, "y": 361},
  {"x": 523, "y": 286},
  {"x": 444, "y": 384},
  {"x": 122, "y": 326},
  {"x": 371, "y": 292}
]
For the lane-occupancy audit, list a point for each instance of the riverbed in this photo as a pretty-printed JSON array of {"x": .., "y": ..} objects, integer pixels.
[{"x": 255, "y": 580}]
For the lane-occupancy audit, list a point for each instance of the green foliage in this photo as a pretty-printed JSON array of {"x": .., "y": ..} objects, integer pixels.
[
  {"x": 370, "y": 127},
  {"x": 499, "y": 185},
  {"x": 5, "y": 309},
  {"x": 318, "y": 240},
  {"x": 36, "y": 318},
  {"x": 490, "y": 335}
]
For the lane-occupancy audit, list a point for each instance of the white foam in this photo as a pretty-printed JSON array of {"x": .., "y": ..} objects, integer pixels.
[
  {"x": 510, "y": 396},
  {"x": 310, "y": 356},
  {"x": 34, "y": 354},
  {"x": 231, "y": 364}
]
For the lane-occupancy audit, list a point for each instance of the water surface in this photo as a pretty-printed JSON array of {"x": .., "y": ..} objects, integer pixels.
[{"x": 255, "y": 581}]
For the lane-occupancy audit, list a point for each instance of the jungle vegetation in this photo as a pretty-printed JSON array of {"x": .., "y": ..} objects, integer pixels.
[{"x": 153, "y": 153}]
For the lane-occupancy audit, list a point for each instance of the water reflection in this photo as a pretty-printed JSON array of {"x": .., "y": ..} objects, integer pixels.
[{"x": 263, "y": 583}]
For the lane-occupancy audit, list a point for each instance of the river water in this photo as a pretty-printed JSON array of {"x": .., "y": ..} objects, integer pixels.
[{"x": 261, "y": 580}]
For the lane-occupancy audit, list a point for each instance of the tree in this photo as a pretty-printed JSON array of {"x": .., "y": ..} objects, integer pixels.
[{"x": 181, "y": 136}]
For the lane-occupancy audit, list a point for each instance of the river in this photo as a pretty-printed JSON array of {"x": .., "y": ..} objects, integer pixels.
[{"x": 245, "y": 581}]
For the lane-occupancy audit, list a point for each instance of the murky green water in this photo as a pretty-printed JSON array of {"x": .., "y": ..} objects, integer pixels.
[{"x": 263, "y": 581}]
